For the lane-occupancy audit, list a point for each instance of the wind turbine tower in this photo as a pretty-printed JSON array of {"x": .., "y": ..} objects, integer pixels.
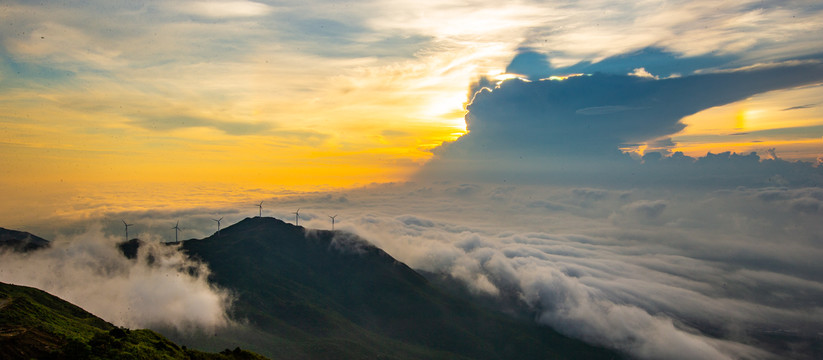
[
  {"x": 176, "y": 230},
  {"x": 260, "y": 205},
  {"x": 297, "y": 217},
  {"x": 127, "y": 229},
  {"x": 218, "y": 225},
  {"x": 332, "y": 221}
]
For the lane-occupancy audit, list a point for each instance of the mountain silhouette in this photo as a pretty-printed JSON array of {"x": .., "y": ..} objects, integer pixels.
[
  {"x": 21, "y": 241},
  {"x": 316, "y": 294}
]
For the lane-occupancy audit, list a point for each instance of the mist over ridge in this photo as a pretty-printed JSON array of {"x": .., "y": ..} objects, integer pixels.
[
  {"x": 738, "y": 280},
  {"x": 160, "y": 287}
]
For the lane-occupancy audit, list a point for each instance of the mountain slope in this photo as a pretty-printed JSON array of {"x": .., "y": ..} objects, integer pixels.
[
  {"x": 35, "y": 324},
  {"x": 317, "y": 293},
  {"x": 21, "y": 241}
]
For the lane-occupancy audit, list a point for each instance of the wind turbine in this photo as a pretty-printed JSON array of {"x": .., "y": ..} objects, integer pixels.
[
  {"x": 218, "y": 225},
  {"x": 260, "y": 205},
  {"x": 127, "y": 229},
  {"x": 176, "y": 229},
  {"x": 332, "y": 221},
  {"x": 297, "y": 217}
]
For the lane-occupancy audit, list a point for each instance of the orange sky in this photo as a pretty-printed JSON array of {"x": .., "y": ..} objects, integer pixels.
[{"x": 307, "y": 97}]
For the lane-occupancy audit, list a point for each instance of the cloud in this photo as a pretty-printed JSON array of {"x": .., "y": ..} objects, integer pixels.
[
  {"x": 648, "y": 272},
  {"x": 533, "y": 64},
  {"x": 641, "y": 72},
  {"x": 223, "y": 9},
  {"x": 799, "y": 107},
  {"x": 650, "y": 60},
  {"x": 161, "y": 288},
  {"x": 181, "y": 122},
  {"x": 655, "y": 272},
  {"x": 641, "y": 211},
  {"x": 573, "y": 129}
]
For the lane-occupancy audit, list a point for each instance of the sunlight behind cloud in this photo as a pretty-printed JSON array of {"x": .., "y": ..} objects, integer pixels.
[
  {"x": 790, "y": 119},
  {"x": 312, "y": 94}
]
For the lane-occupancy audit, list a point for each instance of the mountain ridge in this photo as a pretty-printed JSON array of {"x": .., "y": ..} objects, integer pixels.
[
  {"x": 21, "y": 241},
  {"x": 325, "y": 285},
  {"x": 302, "y": 293}
]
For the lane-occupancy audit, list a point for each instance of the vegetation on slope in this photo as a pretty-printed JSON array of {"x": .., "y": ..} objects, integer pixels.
[{"x": 37, "y": 325}]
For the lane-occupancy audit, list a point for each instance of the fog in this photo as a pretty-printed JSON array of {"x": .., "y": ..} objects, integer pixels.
[{"x": 160, "y": 288}]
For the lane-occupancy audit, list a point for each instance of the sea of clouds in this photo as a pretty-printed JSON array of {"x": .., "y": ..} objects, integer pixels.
[{"x": 655, "y": 273}]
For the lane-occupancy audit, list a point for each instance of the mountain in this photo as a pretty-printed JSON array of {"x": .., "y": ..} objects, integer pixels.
[
  {"x": 37, "y": 325},
  {"x": 312, "y": 294},
  {"x": 21, "y": 241}
]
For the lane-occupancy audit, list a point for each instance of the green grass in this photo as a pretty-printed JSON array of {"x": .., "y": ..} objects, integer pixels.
[{"x": 35, "y": 324}]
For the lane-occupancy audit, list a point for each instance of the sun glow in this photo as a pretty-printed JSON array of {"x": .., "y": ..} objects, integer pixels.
[
  {"x": 562, "y": 77},
  {"x": 747, "y": 116},
  {"x": 769, "y": 120}
]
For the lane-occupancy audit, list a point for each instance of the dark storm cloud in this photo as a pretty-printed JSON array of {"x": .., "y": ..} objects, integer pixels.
[
  {"x": 533, "y": 64},
  {"x": 536, "y": 65},
  {"x": 573, "y": 129},
  {"x": 655, "y": 60},
  {"x": 600, "y": 112}
]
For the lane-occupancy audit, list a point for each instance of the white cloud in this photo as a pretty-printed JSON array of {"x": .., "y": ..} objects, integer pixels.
[
  {"x": 224, "y": 9},
  {"x": 659, "y": 273},
  {"x": 641, "y": 72},
  {"x": 161, "y": 288}
]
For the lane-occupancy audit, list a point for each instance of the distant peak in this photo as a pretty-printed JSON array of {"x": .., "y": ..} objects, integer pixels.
[{"x": 21, "y": 241}]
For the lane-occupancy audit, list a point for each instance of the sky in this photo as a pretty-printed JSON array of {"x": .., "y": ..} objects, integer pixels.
[
  {"x": 640, "y": 173},
  {"x": 312, "y": 95}
]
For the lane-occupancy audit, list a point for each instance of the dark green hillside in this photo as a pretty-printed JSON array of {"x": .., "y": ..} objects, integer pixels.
[
  {"x": 37, "y": 325},
  {"x": 324, "y": 294}
]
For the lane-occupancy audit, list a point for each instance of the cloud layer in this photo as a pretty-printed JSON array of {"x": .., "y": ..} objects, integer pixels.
[
  {"x": 160, "y": 288},
  {"x": 657, "y": 273}
]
